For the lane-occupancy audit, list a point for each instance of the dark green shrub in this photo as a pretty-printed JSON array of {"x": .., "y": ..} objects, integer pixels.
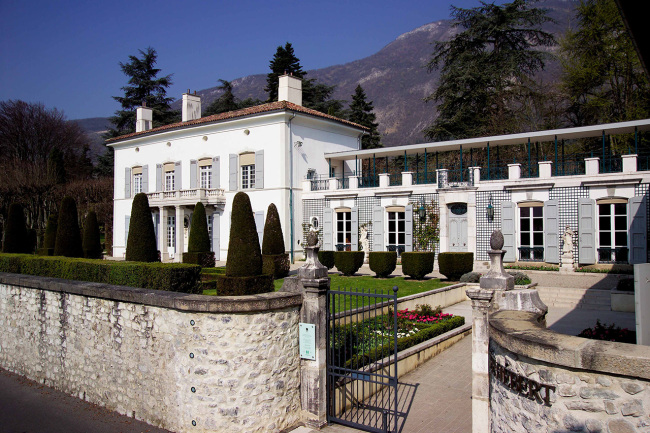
[
  {"x": 68, "y": 236},
  {"x": 175, "y": 277},
  {"x": 454, "y": 265},
  {"x": 471, "y": 277},
  {"x": 326, "y": 258},
  {"x": 626, "y": 285},
  {"x": 199, "y": 241},
  {"x": 417, "y": 264},
  {"x": 274, "y": 259},
  {"x": 602, "y": 331},
  {"x": 244, "y": 254},
  {"x": 521, "y": 279},
  {"x": 348, "y": 262},
  {"x": 205, "y": 260},
  {"x": 91, "y": 244},
  {"x": 16, "y": 239},
  {"x": 141, "y": 245},
  {"x": 49, "y": 241},
  {"x": 32, "y": 241},
  {"x": 382, "y": 263}
]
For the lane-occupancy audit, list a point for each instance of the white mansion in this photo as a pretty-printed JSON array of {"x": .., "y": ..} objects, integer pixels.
[{"x": 312, "y": 167}]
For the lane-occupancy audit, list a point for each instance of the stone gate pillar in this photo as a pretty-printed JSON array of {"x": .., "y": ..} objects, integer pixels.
[{"x": 313, "y": 374}]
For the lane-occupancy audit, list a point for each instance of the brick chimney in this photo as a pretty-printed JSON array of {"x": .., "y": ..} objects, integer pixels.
[
  {"x": 290, "y": 89},
  {"x": 191, "y": 106},
  {"x": 143, "y": 118}
]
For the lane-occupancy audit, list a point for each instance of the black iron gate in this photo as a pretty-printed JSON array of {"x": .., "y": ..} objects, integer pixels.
[{"x": 362, "y": 359}]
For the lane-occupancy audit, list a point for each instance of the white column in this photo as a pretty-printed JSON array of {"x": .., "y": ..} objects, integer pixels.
[
  {"x": 178, "y": 256},
  {"x": 162, "y": 239}
]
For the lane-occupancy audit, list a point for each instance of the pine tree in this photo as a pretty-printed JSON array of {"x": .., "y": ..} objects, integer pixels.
[
  {"x": 227, "y": 101},
  {"x": 487, "y": 68},
  {"x": 16, "y": 239},
  {"x": 143, "y": 86},
  {"x": 602, "y": 74},
  {"x": 68, "y": 236},
  {"x": 361, "y": 112},
  {"x": 92, "y": 246},
  {"x": 141, "y": 244}
]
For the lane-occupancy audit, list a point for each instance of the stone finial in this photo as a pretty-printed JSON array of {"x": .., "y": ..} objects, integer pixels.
[
  {"x": 496, "y": 240},
  {"x": 312, "y": 238}
]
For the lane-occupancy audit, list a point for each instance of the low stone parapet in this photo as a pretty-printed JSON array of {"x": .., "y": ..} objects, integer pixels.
[{"x": 187, "y": 363}]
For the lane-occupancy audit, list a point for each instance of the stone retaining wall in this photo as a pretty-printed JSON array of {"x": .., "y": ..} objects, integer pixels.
[
  {"x": 182, "y": 362},
  {"x": 593, "y": 386}
]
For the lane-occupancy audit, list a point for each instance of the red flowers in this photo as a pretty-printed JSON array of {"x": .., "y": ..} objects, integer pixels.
[{"x": 415, "y": 317}]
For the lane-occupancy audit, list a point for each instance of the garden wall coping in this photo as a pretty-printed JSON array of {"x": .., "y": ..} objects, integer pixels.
[
  {"x": 520, "y": 332},
  {"x": 159, "y": 298}
]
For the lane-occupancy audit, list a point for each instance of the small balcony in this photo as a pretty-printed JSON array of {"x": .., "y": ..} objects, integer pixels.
[{"x": 187, "y": 197}]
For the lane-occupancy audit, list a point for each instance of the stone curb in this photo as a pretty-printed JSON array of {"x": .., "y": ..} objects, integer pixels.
[{"x": 159, "y": 298}]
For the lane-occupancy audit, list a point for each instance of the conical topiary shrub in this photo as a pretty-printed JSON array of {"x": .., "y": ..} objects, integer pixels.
[
  {"x": 244, "y": 265},
  {"x": 49, "y": 240},
  {"x": 92, "y": 245},
  {"x": 15, "y": 240},
  {"x": 141, "y": 245},
  {"x": 274, "y": 259},
  {"x": 198, "y": 246},
  {"x": 68, "y": 236}
]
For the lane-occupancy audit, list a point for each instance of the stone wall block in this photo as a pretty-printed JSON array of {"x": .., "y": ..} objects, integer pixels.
[
  {"x": 594, "y": 426},
  {"x": 631, "y": 387},
  {"x": 599, "y": 393},
  {"x": 632, "y": 408},
  {"x": 620, "y": 426},
  {"x": 586, "y": 406}
]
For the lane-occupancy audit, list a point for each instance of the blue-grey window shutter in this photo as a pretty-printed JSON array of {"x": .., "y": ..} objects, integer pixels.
[
  {"x": 551, "y": 232},
  {"x": 159, "y": 184},
  {"x": 259, "y": 169},
  {"x": 378, "y": 228},
  {"x": 178, "y": 175},
  {"x": 194, "y": 165},
  {"x": 259, "y": 223},
  {"x": 328, "y": 232},
  {"x": 586, "y": 231},
  {"x": 127, "y": 182},
  {"x": 232, "y": 173},
  {"x": 408, "y": 230},
  {"x": 354, "y": 219},
  {"x": 508, "y": 229},
  {"x": 145, "y": 178},
  {"x": 216, "y": 182},
  {"x": 127, "y": 222},
  {"x": 637, "y": 229},
  {"x": 215, "y": 235}
]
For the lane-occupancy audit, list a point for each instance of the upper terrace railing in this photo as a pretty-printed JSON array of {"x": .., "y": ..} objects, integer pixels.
[
  {"x": 471, "y": 176},
  {"x": 187, "y": 196}
]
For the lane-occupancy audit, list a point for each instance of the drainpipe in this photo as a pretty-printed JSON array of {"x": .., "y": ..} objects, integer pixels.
[{"x": 291, "y": 185}]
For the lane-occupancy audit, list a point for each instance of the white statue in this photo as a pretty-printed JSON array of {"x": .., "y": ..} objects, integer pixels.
[
  {"x": 568, "y": 240},
  {"x": 365, "y": 244}
]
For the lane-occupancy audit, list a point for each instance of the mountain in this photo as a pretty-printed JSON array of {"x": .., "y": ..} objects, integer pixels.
[
  {"x": 395, "y": 78},
  {"x": 95, "y": 127}
]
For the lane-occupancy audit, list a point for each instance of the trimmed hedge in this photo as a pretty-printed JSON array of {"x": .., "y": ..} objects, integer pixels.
[
  {"x": 49, "y": 241},
  {"x": 455, "y": 265},
  {"x": 16, "y": 238},
  {"x": 174, "y": 277},
  {"x": 141, "y": 244},
  {"x": 272, "y": 239},
  {"x": 326, "y": 258},
  {"x": 238, "y": 286},
  {"x": 199, "y": 241},
  {"x": 68, "y": 235},
  {"x": 204, "y": 259},
  {"x": 417, "y": 264},
  {"x": 382, "y": 263},
  {"x": 276, "y": 265},
  {"x": 348, "y": 262},
  {"x": 406, "y": 342},
  {"x": 91, "y": 244},
  {"x": 521, "y": 279}
]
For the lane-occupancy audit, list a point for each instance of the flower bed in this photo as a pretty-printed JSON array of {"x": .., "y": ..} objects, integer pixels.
[{"x": 358, "y": 344}]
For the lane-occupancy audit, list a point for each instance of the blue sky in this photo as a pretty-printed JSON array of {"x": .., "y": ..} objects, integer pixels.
[{"x": 65, "y": 54}]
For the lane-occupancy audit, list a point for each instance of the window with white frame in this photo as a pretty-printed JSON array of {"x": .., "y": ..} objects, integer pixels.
[
  {"x": 612, "y": 231},
  {"x": 248, "y": 176},
  {"x": 205, "y": 176},
  {"x": 169, "y": 180},
  {"x": 531, "y": 232},
  {"x": 396, "y": 230},
  {"x": 171, "y": 231},
  {"x": 343, "y": 230},
  {"x": 137, "y": 183}
]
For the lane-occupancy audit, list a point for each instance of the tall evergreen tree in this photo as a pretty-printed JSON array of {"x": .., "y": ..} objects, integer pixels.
[
  {"x": 315, "y": 95},
  {"x": 141, "y": 244},
  {"x": 228, "y": 101},
  {"x": 68, "y": 236},
  {"x": 91, "y": 242},
  {"x": 602, "y": 74},
  {"x": 16, "y": 239},
  {"x": 361, "y": 112},
  {"x": 487, "y": 69},
  {"x": 144, "y": 86}
]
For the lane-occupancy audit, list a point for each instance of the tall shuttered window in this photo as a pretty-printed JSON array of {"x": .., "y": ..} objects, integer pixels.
[
  {"x": 531, "y": 233},
  {"x": 612, "y": 232},
  {"x": 343, "y": 230}
]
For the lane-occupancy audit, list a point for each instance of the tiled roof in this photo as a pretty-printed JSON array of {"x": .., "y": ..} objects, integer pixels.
[{"x": 258, "y": 109}]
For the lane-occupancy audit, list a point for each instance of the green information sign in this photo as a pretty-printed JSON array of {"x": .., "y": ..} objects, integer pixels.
[{"x": 307, "y": 341}]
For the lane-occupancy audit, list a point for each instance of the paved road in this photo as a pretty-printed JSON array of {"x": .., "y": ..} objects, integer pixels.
[{"x": 29, "y": 407}]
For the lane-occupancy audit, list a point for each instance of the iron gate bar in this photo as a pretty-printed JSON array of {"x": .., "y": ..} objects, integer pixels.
[{"x": 348, "y": 383}]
